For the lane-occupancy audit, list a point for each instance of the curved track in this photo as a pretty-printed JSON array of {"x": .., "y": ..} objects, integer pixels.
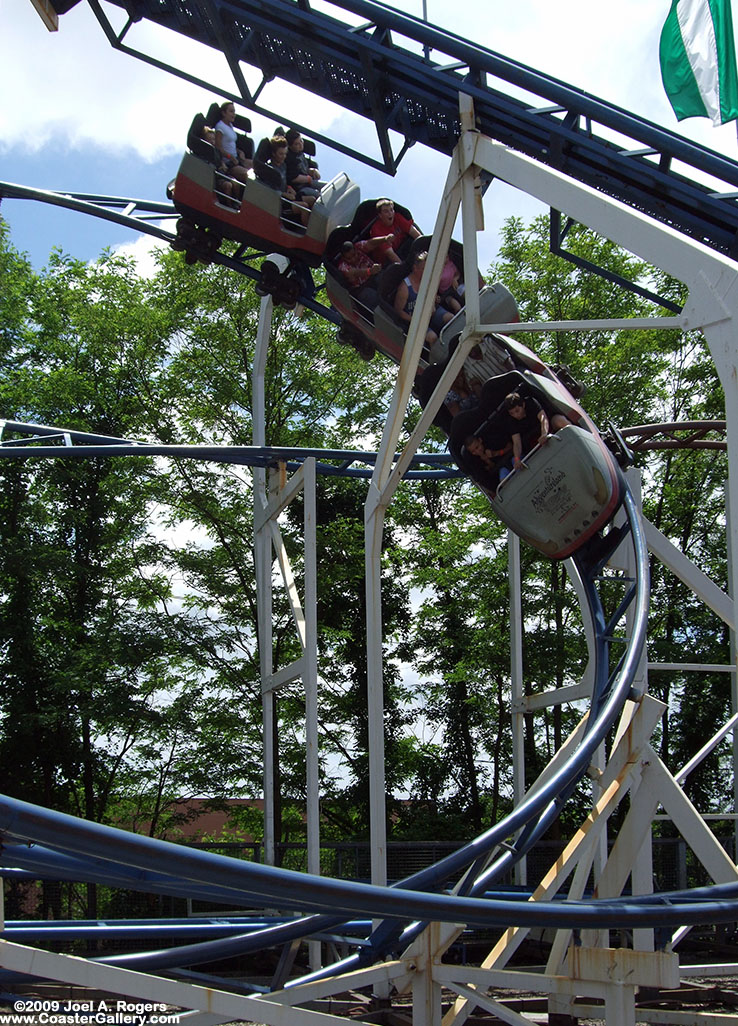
[{"x": 67, "y": 848}]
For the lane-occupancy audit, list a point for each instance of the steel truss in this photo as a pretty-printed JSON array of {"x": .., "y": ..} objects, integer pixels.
[{"x": 582, "y": 969}]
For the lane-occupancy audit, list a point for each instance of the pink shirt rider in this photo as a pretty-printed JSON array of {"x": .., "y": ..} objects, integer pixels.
[{"x": 449, "y": 272}]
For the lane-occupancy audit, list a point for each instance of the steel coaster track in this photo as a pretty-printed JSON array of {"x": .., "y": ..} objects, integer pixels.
[
  {"x": 64, "y": 444},
  {"x": 405, "y": 76},
  {"x": 535, "y": 814}
]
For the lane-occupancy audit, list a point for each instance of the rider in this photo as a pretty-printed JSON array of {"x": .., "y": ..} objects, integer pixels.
[
  {"x": 391, "y": 222},
  {"x": 407, "y": 294}
]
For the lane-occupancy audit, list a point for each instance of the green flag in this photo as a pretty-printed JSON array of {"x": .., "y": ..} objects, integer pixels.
[{"x": 698, "y": 67}]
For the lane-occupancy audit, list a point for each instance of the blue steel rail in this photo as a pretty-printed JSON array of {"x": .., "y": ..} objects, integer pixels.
[
  {"x": 405, "y": 76},
  {"x": 39, "y": 441}
]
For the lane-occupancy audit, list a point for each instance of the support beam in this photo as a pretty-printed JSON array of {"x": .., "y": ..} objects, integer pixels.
[{"x": 47, "y": 14}]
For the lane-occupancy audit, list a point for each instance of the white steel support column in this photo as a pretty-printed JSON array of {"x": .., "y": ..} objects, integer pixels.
[
  {"x": 733, "y": 681},
  {"x": 517, "y": 695},
  {"x": 425, "y": 987},
  {"x": 381, "y": 490},
  {"x": 642, "y": 871},
  {"x": 310, "y": 671},
  {"x": 310, "y": 683},
  {"x": 268, "y": 504},
  {"x": 263, "y": 566},
  {"x": 373, "y": 527},
  {"x": 721, "y": 338}
]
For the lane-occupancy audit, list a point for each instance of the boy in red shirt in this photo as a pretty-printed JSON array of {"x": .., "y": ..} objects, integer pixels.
[{"x": 391, "y": 223}]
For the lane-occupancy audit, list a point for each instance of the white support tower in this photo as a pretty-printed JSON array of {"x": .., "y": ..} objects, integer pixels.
[
  {"x": 591, "y": 970},
  {"x": 272, "y": 494},
  {"x": 633, "y": 767}
]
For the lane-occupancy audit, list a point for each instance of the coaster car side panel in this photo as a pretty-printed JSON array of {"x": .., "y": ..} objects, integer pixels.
[{"x": 564, "y": 493}]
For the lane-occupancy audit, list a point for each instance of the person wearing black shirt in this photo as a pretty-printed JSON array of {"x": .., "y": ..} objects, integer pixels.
[
  {"x": 526, "y": 425},
  {"x": 303, "y": 173}
]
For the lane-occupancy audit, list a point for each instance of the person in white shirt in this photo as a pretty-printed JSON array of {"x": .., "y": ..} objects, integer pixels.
[{"x": 226, "y": 142}]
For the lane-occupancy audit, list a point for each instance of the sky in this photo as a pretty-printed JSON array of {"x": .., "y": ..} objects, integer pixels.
[{"x": 77, "y": 115}]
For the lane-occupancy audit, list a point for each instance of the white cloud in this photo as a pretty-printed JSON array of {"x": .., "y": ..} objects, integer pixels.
[
  {"x": 93, "y": 95},
  {"x": 78, "y": 91},
  {"x": 143, "y": 250}
]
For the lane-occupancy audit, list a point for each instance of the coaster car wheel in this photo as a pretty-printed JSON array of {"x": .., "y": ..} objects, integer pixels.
[
  {"x": 207, "y": 245},
  {"x": 198, "y": 244},
  {"x": 617, "y": 445},
  {"x": 187, "y": 235},
  {"x": 268, "y": 282},
  {"x": 365, "y": 348},
  {"x": 347, "y": 335},
  {"x": 565, "y": 376},
  {"x": 287, "y": 292},
  {"x": 279, "y": 280},
  {"x": 186, "y": 229}
]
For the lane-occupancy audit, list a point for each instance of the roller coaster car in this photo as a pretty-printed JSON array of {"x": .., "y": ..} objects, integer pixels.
[
  {"x": 370, "y": 323},
  {"x": 564, "y": 492},
  {"x": 253, "y": 215},
  {"x": 567, "y": 490}
]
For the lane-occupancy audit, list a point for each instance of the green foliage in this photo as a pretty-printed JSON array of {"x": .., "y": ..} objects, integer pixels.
[
  {"x": 130, "y": 677},
  {"x": 628, "y": 374}
]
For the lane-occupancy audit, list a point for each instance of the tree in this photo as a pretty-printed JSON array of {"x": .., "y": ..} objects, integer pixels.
[
  {"x": 318, "y": 394},
  {"x": 76, "y": 649},
  {"x": 456, "y": 562},
  {"x": 129, "y": 667}
]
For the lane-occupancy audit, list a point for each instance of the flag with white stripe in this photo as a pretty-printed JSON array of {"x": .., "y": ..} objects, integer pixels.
[{"x": 698, "y": 64}]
